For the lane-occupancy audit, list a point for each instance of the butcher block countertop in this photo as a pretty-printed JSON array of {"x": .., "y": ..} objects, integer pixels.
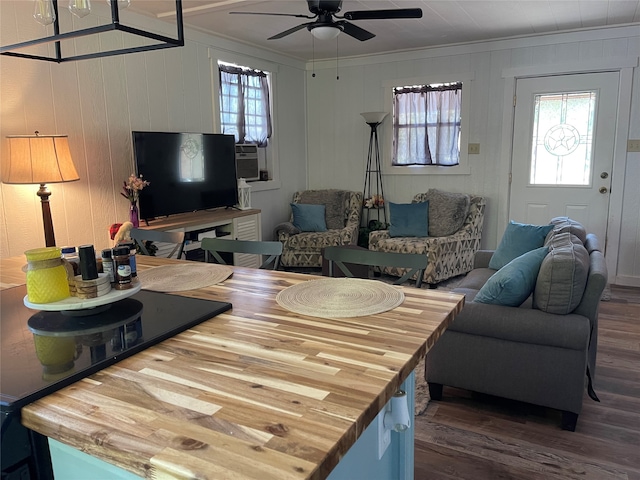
[{"x": 257, "y": 392}]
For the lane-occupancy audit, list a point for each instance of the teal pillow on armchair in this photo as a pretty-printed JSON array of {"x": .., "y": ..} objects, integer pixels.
[
  {"x": 409, "y": 219},
  {"x": 308, "y": 217}
]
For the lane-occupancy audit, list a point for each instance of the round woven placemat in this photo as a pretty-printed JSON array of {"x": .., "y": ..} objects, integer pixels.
[
  {"x": 340, "y": 297},
  {"x": 178, "y": 278}
]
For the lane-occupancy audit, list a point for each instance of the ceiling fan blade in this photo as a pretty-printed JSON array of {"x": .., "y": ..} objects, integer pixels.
[
  {"x": 272, "y": 14},
  {"x": 290, "y": 31},
  {"x": 355, "y": 31},
  {"x": 384, "y": 14}
]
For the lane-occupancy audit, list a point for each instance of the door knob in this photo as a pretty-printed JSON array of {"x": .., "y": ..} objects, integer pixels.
[
  {"x": 604, "y": 175},
  {"x": 603, "y": 190}
]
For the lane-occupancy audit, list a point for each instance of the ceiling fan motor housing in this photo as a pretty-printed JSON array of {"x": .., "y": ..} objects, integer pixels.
[{"x": 320, "y": 7}]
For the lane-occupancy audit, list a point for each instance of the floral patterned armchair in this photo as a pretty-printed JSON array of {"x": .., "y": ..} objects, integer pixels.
[
  {"x": 450, "y": 254},
  {"x": 342, "y": 214}
]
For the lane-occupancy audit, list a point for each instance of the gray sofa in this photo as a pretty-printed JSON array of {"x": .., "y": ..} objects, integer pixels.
[{"x": 542, "y": 352}]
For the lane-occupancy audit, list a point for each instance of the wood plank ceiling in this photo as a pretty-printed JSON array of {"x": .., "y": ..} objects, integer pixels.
[{"x": 444, "y": 22}]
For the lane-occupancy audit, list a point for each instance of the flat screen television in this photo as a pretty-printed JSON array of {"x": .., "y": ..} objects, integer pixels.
[{"x": 186, "y": 171}]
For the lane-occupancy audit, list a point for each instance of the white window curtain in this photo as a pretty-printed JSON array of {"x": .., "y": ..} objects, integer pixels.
[
  {"x": 426, "y": 124},
  {"x": 245, "y": 104}
]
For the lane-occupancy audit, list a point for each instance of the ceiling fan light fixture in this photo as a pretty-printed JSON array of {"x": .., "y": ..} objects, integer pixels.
[{"x": 325, "y": 32}]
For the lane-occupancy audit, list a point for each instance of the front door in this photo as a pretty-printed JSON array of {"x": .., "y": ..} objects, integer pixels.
[{"x": 563, "y": 139}]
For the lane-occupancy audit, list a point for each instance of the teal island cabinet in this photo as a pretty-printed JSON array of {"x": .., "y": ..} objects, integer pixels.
[{"x": 256, "y": 392}]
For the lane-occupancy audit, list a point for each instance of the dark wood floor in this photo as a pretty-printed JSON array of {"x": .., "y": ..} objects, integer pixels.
[{"x": 472, "y": 436}]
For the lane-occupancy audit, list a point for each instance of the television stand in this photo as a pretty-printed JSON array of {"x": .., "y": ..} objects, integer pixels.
[{"x": 235, "y": 224}]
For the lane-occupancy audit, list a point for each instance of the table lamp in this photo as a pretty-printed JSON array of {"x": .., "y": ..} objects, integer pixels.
[{"x": 40, "y": 159}]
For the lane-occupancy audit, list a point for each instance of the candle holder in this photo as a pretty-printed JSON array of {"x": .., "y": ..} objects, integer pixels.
[{"x": 244, "y": 195}]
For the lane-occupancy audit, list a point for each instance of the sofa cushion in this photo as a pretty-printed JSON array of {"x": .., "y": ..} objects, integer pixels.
[
  {"x": 562, "y": 277},
  {"x": 447, "y": 212},
  {"x": 309, "y": 218},
  {"x": 518, "y": 238},
  {"x": 565, "y": 224},
  {"x": 513, "y": 283},
  {"x": 475, "y": 279},
  {"x": 334, "y": 202},
  {"x": 409, "y": 219}
]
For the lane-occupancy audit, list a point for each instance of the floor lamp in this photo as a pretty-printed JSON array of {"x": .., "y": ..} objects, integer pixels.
[
  {"x": 40, "y": 159},
  {"x": 374, "y": 198}
]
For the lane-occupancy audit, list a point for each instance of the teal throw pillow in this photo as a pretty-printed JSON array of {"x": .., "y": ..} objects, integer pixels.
[
  {"x": 308, "y": 218},
  {"x": 409, "y": 219},
  {"x": 513, "y": 283},
  {"x": 518, "y": 238}
]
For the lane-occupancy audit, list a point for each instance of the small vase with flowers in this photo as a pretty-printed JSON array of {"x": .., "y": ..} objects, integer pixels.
[{"x": 131, "y": 191}]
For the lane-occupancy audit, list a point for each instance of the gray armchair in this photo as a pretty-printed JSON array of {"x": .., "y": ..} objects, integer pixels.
[{"x": 342, "y": 215}]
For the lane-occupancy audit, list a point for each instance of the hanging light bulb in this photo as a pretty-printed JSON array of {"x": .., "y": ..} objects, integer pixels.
[
  {"x": 80, "y": 8},
  {"x": 43, "y": 12},
  {"x": 122, "y": 4}
]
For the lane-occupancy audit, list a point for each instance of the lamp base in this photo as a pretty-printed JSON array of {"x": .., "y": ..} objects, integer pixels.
[{"x": 49, "y": 236}]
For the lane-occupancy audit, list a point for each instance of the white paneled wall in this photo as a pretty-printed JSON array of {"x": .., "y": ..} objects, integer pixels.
[
  {"x": 99, "y": 102},
  {"x": 338, "y": 136},
  {"x": 322, "y": 139}
]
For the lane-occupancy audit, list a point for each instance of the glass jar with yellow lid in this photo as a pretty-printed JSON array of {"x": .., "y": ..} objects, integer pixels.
[{"x": 46, "y": 275}]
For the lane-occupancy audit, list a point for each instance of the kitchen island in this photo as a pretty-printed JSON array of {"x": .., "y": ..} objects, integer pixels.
[{"x": 255, "y": 392}]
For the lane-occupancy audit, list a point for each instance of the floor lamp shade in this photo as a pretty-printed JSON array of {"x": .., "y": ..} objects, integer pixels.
[
  {"x": 39, "y": 159},
  {"x": 373, "y": 117}
]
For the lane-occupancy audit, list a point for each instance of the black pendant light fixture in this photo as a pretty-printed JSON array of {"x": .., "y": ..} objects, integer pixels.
[{"x": 47, "y": 13}]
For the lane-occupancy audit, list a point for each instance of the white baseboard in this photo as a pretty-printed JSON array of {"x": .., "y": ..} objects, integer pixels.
[{"x": 627, "y": 281}]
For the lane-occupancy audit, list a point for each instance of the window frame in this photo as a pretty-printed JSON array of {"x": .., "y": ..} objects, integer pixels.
[
  {"x": 253, "y": 91},
  {"x": 271, "y": 152},
  {"x": 463, "y": 168}
]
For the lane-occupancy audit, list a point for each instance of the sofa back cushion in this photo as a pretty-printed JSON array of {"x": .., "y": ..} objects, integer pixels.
[
  {"x": 565, "y": 224},
  {"x": 447, "y": 211},
  {"x": 563, "y": 275},
  {"x": 334, "y": 202}
]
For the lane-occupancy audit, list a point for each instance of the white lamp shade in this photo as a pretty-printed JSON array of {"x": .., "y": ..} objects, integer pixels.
[
  {"x": 39, "y": 159},
  {"x": 374, "y": 117},
  {"x": 325, "y": 32}
]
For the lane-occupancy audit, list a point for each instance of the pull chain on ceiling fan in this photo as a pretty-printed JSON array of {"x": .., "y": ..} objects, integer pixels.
[{"x": 327, "y": 24}]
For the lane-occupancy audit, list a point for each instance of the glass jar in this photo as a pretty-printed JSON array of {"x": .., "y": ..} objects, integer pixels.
[
  {"x": 107, "y": 264},
  {"x": 122, "y": 268},
  {"x": 46, "y": 275},
  {"x": 71, "y": 255}
]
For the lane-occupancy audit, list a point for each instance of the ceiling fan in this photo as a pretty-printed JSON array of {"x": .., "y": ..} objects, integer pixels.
[{"x": 327, "y": 24}]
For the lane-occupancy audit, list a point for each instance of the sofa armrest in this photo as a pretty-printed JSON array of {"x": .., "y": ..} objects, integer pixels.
[
  {"x": 523, "y": 325},
  {"x": 378, "y": 235},
  {"x": 285, "y": 230},
  {"x": 482, "y": 258}
]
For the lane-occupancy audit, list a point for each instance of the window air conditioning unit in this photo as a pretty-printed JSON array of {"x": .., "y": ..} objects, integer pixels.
[{"x": 247, "y": 162}]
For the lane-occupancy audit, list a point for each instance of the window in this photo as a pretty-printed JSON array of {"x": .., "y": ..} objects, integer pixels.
[
  {"x": 562, "y": 138},
  {"x": 244, "y": 104},
  {"x": 427, "y": 122}
]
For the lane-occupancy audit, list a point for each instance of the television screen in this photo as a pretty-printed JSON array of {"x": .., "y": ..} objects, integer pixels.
[{"x": 186, "y": 171}]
